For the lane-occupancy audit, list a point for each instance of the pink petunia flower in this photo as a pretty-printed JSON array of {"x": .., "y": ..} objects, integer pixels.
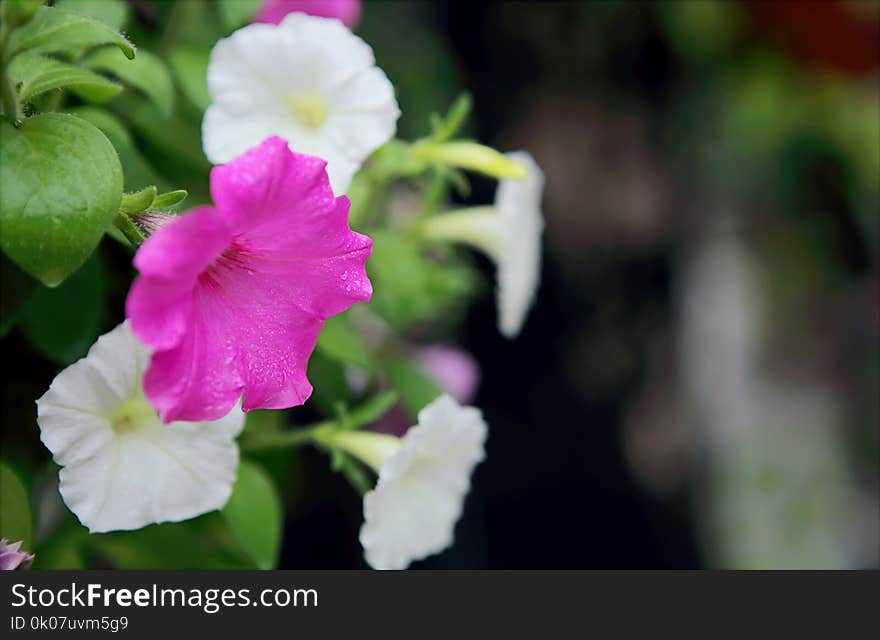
[
  {"x": 346, "y": 11},
  {"x": 12, "y": 558},
  {"x": 232, "y": 297}
]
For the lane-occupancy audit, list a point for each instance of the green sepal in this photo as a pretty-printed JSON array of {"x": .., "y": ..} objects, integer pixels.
[
  {"x": 138, "y": 201},
  {"x": 169, "y": 199}
]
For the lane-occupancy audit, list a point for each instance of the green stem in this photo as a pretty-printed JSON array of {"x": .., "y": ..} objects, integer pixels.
[
  {"x": 128, "y": 229},
  {"x": 283, "y": 439}
]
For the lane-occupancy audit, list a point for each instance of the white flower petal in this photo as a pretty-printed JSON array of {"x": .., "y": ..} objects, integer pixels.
[
  {"x": 260, "y": 76},
  {"x": 519, "y": 259},
  {"x": 418, "y": 498},
  {"x": 142, "y": 473}
]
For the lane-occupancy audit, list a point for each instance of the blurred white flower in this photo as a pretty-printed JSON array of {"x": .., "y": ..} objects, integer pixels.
[
  {"x": 519, "y": 261},
  {"x": 423, "y": 480},
  {"x": 122, "y": 468},
  {"x": 510, "y": 233},
  {"x": 308, "y": 80}
]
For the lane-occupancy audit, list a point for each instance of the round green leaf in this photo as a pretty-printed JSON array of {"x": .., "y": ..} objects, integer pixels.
[
  {"x": 254, "y": 514},
  {"x": 61, "y": 185},
  {"x": 136, "y": 169},
  {"x": 15, "y": 510}
]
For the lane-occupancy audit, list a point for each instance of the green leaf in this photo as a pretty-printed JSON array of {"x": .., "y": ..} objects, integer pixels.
[
  {"x": 113, "y": 13},
  {"x": 234, "y": 13},
  {"x": 38, "y": 75},
  {"x": 328, "y": 379},
  {"x": 416, "y": 389},
  {"x": 65, "y": 549},
  {"x": 396, "y": 158},
  {"x": 174, "y": 140},
  {"x": 15, "y": 510},
  {"x": 137, "y": 170},
  {"x": 408, "y": 287},
  {"x": 205, "y": 542},
  {"x": 62, "y": 183},
  {"x": 62, "y": 323},
  {"x": 340, "y": 342},
  {"x": 17, "y": 12},
  {"x": 138, "y": 201},
  {"x": 254, "y": 514},
  {"x": 169, "y": 199},
  {"x": 56, "y": 31},
  {"x": 190, "y": 66},
  {"x": 146, "y": 73}
]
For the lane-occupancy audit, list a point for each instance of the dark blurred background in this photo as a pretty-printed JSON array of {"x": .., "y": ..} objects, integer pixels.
[{"x": 697, "y": 385}]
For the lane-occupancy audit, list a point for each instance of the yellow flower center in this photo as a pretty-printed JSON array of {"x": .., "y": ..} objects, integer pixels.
[
  {"x": 131, "y": 414},
  {"x": 309, "y": 109}
]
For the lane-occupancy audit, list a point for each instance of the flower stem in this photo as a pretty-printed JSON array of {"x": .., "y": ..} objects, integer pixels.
[
  {"x": 290, "y": 439},
  {"x": 128, "y": 229}
]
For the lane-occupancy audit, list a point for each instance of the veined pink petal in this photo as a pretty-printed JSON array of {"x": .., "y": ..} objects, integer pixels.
[
  {"x": 184, "y": 247},
  {"x": 245, "y": 321},
  {"x": 159, "y": 303},
  {"x": 346, "y": 11}
]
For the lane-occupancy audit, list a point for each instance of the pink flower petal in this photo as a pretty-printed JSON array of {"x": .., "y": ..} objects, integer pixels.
[
  {"x": 346, "y": 11},
  {"x": 184, "y": 247},
  {"x": 234, "y": 298},
  {"x": 455, "y": 370},
  {"x": 160, "y": 300}
]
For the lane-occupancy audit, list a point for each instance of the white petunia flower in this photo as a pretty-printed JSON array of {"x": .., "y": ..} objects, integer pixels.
[
  {"x": 519, "y": 261},
  {"x": 308, "y": 80},
  {"x": 423, "y": 480},
  {"x": 122, "y": 468},
  {"x": 510, "y": 233}
]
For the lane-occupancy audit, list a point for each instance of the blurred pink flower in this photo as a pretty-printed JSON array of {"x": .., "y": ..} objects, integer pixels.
[
  {"x": 233, "y": 297},
  {"x": 12, "y": 558},
  {"x": 346, "y": 11},
  {"x": 454, "y": 370}
]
